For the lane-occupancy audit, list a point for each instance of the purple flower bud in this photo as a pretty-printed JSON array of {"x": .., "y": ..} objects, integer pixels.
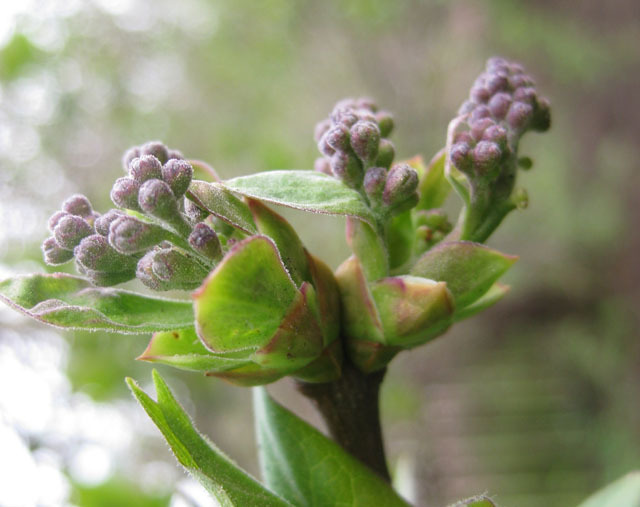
[
  {"x": 129, "y": 235},
  {"x": 105, "y": 278},
  {"x": 177, "y": 174},
  {"x": 463, "y": 137},
  {"x": 157, "y": 149},
  {"x": 55, "y": 218},
  {"x": 103, "y": 222},
  {"x": 346, "y": 117},
  {"x": 54, "y": 254},
  {"x": 386, "y": 153},
  {"x": 347, "y": 167},
  {"x": 144, "y": 273},
  {"x": 70, "y": 230},
  {"x": 366, "y": 103},
  {"x": 466, "y": 107},
  {"x": 128, "y": 157},
  {"x": 497, "y": 83},
  {"x": 324, "y": 147},
  {"x": 478, "y": 127},
  {"x": 170, "y": 268},
  {"x": 365, "y": 140},
  {"x": 95, "y": 253},
  {"x": 175, "y": 154},
  {"x": 480, "y": 94},
  {"x": 203, "y": 239},
  {"x": 527, "y": 95},
  {"x": 499, "y": 105},
  {"x": 519, "y": 115},
  {"x": 157, "y": 199},
  {"x": 320, "y": 129},
  {"x": 145, "y": 168},
  {"x": 374, "y": 180},
  {"x": 194, "y": 213},
  {"x": 337, "y": 138},
  {"x": 78, "y": 205},
  {"x": 479, "y": 113},
  {"x": 365, "y": 115},
  {"x": 322, "y": 165},
  {"x": 125, "y": 193},
  {"x": 461, "y": 156},
  {"x": 496, "y": 134},
  {"x": 486, "y": 155},
  {"x": 401, "y": 185},
  {"x": 496, "y": 63},
  {"x": 385, "y": 123}
]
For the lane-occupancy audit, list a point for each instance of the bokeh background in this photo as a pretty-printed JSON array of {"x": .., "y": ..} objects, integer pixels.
[{"x": 536, "y": 401}]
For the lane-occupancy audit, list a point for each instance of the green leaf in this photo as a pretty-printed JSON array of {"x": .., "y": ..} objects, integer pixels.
[
  {"x": 434, "y": 188},
  {"x": 491, "y": 297},
  {"x": 183, "y": 349},
  {"x": 71, "y": 302},
  {"x": 304, "y": 190},
  {"x": 305, "y": 467},
  {"x": 469, "y": 269},
  {"x": 625, "y": 492},
  {"x": 400, "y": 239},
  {"x": 217, "y": 200},
  {"x": 368, "y": 248},
  {"x": 222, "y": 478}
]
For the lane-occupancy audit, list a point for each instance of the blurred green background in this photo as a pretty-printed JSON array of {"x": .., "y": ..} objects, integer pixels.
[{"x": 536, "y": 401}]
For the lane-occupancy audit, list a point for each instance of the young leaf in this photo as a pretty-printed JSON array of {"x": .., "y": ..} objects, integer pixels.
[
  {"x": 368, "y": 248},
  {"x": 222, "y": 478},
  {"x": 183, "y": 349},
  {"x": 434, "y": 187},
  {"x": 304, "y": 190},
  {"x": 491, "y": 297},
  {"x": 217, "y": 200},
  {"x": 469, "y": 269},
  {"x": 305, "y": 467},
  {"x": 71, "y": 302},
  {"x": 623, "y": 492}
]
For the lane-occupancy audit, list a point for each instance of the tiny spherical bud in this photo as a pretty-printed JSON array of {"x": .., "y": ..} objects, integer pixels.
[
  {"x": 466, "y": 107},
  {"x": 204, "y": 240},
  {"x": 322, "y": 165},
  {"x": 463, "y": 137},
  {"x": 401, "y": 184},
  {"x": 78, "y": 205},
  {"x": 374, "y": 180},
  {"x": 129, "y": 235},
  {"x": 516, "y": 68},
  {"x": 480, "y": 94},
  {"x": 461, "y": 156},
  {"x": 144, "y": 273},
  {"x": 497, "y": 83},
  {"x": 175, "y": 154},
  {"x": 366, "y": 103},
  {"x": 55, "y": 218},
  {"x": 128, "y": 157},
  {"x": 170, "y": 268},
  {"x": 157, "y": 149},
  {"x": 320, "y": 129},
  {"x": 324, "y": 147},
  {"x": 70, "y": 230},
  {"x": 348, "y": 168},
  {"x": 346, "y": 117},
  {"x": 386, "y": 153},
  {"x": 478, "y": 127},
  {"x": 338, "y": 138},
  {"x": 125, "y": 193},
  {"x": 95, "y": 253},
  {"x": 365, "y": 115},
  {"x": 103, "y": 222},
  {"x": 496, "y": 134},
  {"x": 541, "y": 120},
  {"x": 385, "y": 123},
  {"x": 499, "y": 105},
  {"x": 177, "y": 174},
  {"x": 365, "y": 140},
  {"x": 519, "y": 115},
  {"x": 479, "y": 113},
  {"x": 194, "y": 213},
  {"x": 145, "y": 168},
  {"x": 54, "y": 254},
  {"x": 486, "y": 155},
  {"x": 157, "y": 199},
  {"x": 527, "y": 95},
  {"x": 517, "y": 81},
  {"x": 497, "y": 63}
]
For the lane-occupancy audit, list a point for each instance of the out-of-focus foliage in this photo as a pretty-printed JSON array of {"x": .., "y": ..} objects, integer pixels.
[{"x": 536, "y": 401}]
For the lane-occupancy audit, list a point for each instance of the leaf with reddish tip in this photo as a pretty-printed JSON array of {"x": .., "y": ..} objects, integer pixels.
[
  {"x": 183, "y": 349},
  {"x": 368, "y": 248},
  {"x": 491, "y": 297},
  {"x": 412, "y": 310},
  {"x": 286, "y": 239},
  {"x": 219, "y": 201},
  {"x": 469, "y": 269},
  {"x": 304, "y": 190},
  {"x": 434, "y": 188},
  {"x": 71, "y": 302}
]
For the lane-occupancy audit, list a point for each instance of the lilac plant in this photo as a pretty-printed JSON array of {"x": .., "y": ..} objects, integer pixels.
[{"x": 263, "y": 307}]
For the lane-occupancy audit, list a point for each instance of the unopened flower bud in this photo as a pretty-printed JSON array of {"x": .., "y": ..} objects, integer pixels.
[
  {"x": 322, "y": 165},
  {"x": 129, "y": 235},
  {"x": 125, "y": 193},
  {"x": 55, "y": 218},
  {"x": 337, "y": 138},
  {"x": 478, "y": 127},
  {"x": 144, "y": 273},
  {"x": 346, "y": 117},
  {"x": 347, "y": 167},
  {"x": 204, "y": 240},
  {"x": 519, "y": 115},
  {"x": 320, "y": 129},
  {"x": 374, "y": 180},
  {"x": 145, "y": 168},
  {"x": 324, "y": 147},
  {"x": 194, "y": 212},
  {"x": 157, "y": 149},
  {"x": 103, "y": 222},
  {"x": 486, "y": 155},
  {"x": 385, "y": 123},
  {"x": 177, "y": 174},
  {"x": 175, "y": 154},
  {"x": 169, "y": 269},
  {"x": 479, "y": 112},
  {"x": 386, "y": 153},
  {"x": 541, "y": 120},
  {"x": 365, "y": 140},
  {"x": 78, "y": 205},
  {"x": 480, "y": 94},
  {"x": 54, "y": 254},
  {"x": 496, "y": 134},
  {"x": 499, "y": 105},
  {"x": 105, "y": 278},
  {"x": 128, "y": 157},
  {"x": 401, "y": 185},
  {"x": 157, "y": 199},
  {"x": 366, "y": 103},
  {"x": 95, "y": 253},
  {"x": 70, "y": 230},
  {"x": 461, "y": 156}
]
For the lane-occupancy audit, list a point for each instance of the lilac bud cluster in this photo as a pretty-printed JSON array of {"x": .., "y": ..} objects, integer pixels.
[
  {"x": 503, "y": 104},
  {"x": 172, "y": 248},
  {"x": 354, "y": 139}
]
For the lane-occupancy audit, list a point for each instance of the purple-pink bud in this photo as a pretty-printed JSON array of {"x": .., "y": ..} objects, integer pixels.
[
  {"x": 337, "y": 138},
  {"x": 78, "y": 205},
  {"x": 499, "y": 105},
  {"x": 95, "y": 253},
  {"x": 401, "y": 184},
  {"x": 145, "y": 168},
  {"x": 70, "y": 230},
  {"x": 204, "y": 240},
  {"x": 519, "y": 115},
  {"x": 322, "y": 165},
  {"x": 347, "y": 167},
  {"x": 460, "y": 156},
  {"x": 128, "y": 157},
  {"x": 54, "y": 254},
  {"x": 55, "y": 218},
  {"x": 496, "y": 134},
  {"x": 129, "y": 235},
  {"x": 486, "y": 155},
  {"x": 320, "y": 129},
  {"x": 478, "y": 127},
  {"x": 480, "y": 94},
  {"x": 365, "y": 140},
  {"x": 374, "y": 180},
  {"x": 177, "y": 174},
  {"x": 479, "y": 113},
  {"x": 125, "y": 193},
  {"x": 157, "y": 149},
  {"x": 103, "y": 222}
]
